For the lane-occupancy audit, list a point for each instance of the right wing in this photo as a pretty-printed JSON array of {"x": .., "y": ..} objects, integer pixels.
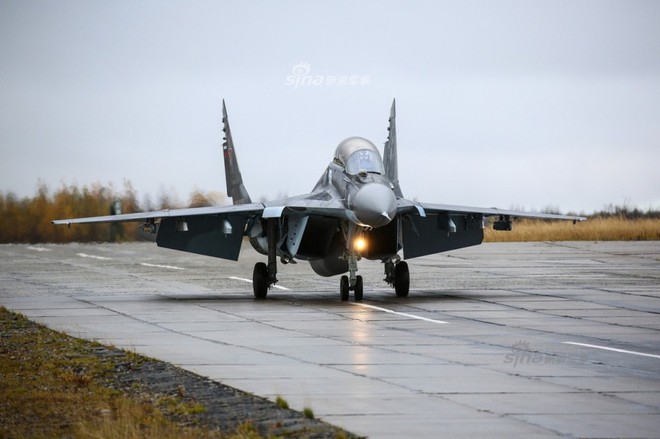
[
  {"x": 244, "y": 209},
  {"x": 211, "y": 231},
  {"x": 218, "y": 231}
]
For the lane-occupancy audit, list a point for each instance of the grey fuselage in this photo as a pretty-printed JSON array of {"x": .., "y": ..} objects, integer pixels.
[{"x": 355, "y": 183}]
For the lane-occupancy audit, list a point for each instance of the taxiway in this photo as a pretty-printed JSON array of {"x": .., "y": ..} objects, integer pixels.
[{"x": 500, "y": 340}]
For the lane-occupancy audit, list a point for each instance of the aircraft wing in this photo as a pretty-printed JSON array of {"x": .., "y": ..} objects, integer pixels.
[
  {"x": 218, "y": 231},
  {"x": 212, "y": 231},
  {"x": 246, "y": 209},
  {"x": 493, "y": 211},
  {"x": 433, "y": 228}
]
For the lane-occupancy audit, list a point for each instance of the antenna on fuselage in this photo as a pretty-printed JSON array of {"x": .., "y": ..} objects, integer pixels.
[
  {"x": 389, "y": 153},
  {"x": 235, "y": 188}
]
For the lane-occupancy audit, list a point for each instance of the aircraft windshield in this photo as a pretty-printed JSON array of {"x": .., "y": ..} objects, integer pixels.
[{"x": 364, "y": 160}]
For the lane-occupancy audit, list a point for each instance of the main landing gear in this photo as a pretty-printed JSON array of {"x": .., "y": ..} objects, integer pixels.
[
  {"x": 397, "y": 275},
  {"x": 263, "y": 276},
  {"x": 260, "y": 282}
]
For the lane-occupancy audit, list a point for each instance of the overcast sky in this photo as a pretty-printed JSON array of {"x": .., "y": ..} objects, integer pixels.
[{"x": 499, "y": 103}]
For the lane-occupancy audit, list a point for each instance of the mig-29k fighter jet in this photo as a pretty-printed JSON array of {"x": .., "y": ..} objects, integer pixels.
[{"x": 356, "y": 210}]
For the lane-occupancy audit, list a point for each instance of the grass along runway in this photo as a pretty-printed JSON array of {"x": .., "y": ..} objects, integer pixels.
[
  {"x": 54, "y": 385},
  {"x": 595, "y": 229}
]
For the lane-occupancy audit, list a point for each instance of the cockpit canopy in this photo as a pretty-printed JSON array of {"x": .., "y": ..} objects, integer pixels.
[{"x": 357, "y": 155}]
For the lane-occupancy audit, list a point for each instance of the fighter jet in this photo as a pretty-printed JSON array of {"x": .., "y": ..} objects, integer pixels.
[{"x": 356, "y": 210}]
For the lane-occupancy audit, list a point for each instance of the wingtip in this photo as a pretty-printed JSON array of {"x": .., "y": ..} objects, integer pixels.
[{"x": 393, "y": 109}]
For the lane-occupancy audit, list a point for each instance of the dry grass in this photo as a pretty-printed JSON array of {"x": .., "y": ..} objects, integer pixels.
[
  {"x": 52, "y": 385},
  {"x": 131, "y": 418},
  {"x": 595, "y": 229}
]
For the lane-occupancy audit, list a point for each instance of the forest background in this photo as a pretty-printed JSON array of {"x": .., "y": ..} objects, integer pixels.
[{"x": 28, "y": 219}]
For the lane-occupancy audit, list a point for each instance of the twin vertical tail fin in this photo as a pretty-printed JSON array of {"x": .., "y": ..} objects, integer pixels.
[
  {"x": 235, "y": 188},
  {"x": 389, "y": 154}
]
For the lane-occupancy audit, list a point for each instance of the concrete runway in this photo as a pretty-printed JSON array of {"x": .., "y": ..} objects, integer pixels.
[{"x": 500, "y": 340}]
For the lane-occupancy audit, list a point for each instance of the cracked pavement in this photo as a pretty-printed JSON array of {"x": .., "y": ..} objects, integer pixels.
[{"x": 503, "y": 339}]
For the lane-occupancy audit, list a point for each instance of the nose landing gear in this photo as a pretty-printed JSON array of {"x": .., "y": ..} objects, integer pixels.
[
  {"x": 351, "y": 282},
  {"x": 344, "y": 288}
]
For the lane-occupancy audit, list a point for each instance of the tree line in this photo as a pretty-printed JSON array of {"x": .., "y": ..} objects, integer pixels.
[{"x": 28, "y": 219}]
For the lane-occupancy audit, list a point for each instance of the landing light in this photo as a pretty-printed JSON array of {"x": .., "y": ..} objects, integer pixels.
[{"x": 360, "y": 244}]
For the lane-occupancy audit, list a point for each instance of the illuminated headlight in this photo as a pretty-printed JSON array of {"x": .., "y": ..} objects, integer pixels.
[{"x": 360, "y": 244}]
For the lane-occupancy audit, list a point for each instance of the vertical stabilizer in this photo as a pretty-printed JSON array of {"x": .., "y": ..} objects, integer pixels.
[
  {"x": 235, "y": 188},
  {"x": 389, "y": 154}
]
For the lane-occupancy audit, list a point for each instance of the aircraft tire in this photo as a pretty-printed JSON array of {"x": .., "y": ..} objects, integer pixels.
[
  {"x": 343, "y": 288},
  {"x": 358, "y": 290},
  {"x": 260, "y": 280},
  {"x": 401, "y": 279}
]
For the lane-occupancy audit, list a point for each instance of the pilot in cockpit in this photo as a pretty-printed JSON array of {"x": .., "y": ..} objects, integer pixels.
[{"x": 364, "y": 160}]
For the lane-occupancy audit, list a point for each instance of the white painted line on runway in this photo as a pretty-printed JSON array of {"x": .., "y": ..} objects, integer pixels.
[
  {"x": 403, "y": 314},
  {"x": 169, "y": 267},
  {"x": 605, "y": 348},
  {"x": 38, "y": 249},
  {"x": 250, "y": 281},
  {"x": 85, "y": 255}
]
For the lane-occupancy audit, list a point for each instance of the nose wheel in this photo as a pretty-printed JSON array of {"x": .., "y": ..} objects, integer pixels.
[
  {"x": 357, "y": 289},
  {"x": 352, "y": 282},
  {"x": 344, "y": 288}
]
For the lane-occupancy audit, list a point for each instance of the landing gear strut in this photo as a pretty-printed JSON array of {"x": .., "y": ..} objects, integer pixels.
[
  {"x": 351, "y": 282},
  {"x": 397, "y": 275}
]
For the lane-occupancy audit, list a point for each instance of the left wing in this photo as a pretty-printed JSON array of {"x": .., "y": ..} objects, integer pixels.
[
  {"x": 493, "y": 211},
  {"x": 429, "y": 228}
]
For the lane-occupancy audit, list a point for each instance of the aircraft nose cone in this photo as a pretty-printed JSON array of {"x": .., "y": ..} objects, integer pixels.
[{"x": 375, "y": 205}]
